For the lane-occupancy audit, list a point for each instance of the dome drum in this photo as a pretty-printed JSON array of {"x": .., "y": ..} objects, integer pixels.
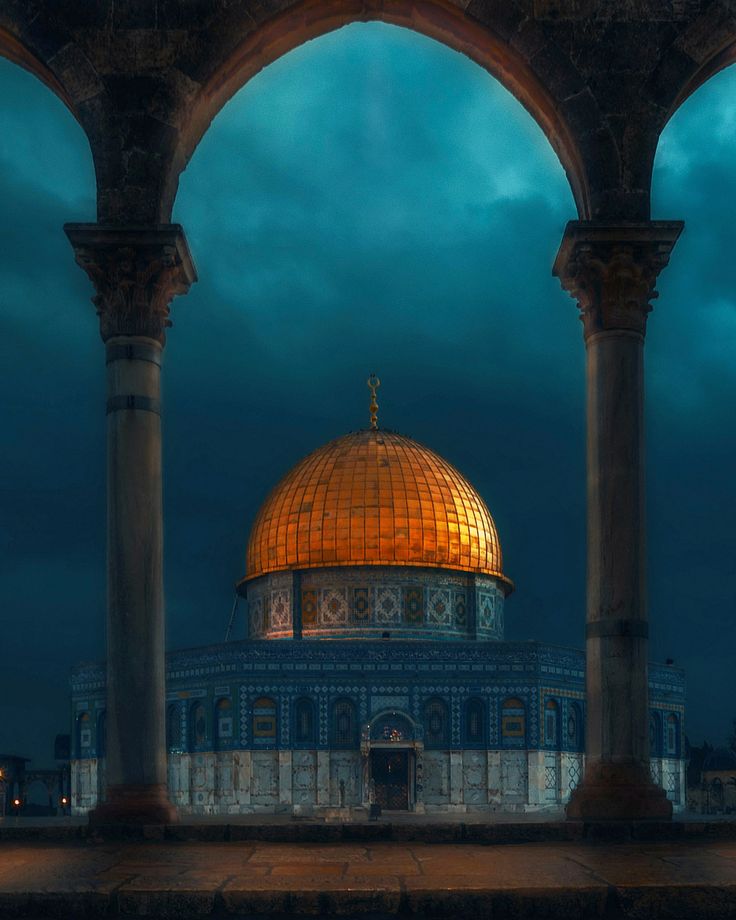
[{"x": 374, "y": 602}]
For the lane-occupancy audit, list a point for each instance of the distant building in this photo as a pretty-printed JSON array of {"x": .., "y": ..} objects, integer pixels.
[
  {"x": 28, "y": 792},
  {"x": 375, "y": 668},
  {"x": 718, "y": 782}
]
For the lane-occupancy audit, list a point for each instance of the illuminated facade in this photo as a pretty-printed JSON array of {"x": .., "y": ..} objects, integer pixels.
[{"x": 375, "y": 668}]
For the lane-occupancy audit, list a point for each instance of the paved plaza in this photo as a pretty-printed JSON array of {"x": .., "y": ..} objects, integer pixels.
[{"x": 160, "y": 878}]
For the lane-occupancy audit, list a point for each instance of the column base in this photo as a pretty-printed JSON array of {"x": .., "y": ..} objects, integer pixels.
[
  {"x": 135, "y": 804},
  {"x": 618, "y": 792}
]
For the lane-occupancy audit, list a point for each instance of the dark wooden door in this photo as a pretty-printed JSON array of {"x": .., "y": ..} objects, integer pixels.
[{"x": 390, "y": 771}]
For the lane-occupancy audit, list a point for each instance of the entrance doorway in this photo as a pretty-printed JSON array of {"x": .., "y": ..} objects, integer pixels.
[{"x": 390, "y": 773}]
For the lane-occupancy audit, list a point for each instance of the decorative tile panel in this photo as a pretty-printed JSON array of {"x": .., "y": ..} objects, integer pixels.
[
  {"x": 460, "y": 609},
  {"x": 388, "y": 606},
  {"x": 243, "y": 711},
  {"x": 362, "y": 605},
  {"x": 284, "y": 720},
  {"x": 255, "y": 615},
  {"x": 281, "y": 610},
  {"x": 439, "y": 609},
  {"x": 334, "y": 607},
  {"x": 324, "y": 732},
  {"x": 310, "y": 608},
  {"x": 486, "y": 611},
  {"x": 414, "y": 606},
  {"x": 379, "y": 703}
]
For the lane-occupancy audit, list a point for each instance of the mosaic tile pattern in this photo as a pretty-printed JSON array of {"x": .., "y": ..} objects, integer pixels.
[
  {"x": 388, "y": 605},
  {"x": 460, "y": 609},
  {"x": 281, "y": 610},
  {"x": 255, "y": 613},
  {"x": 400, "y": 599},
  {"x": 413, "y": 606},
  {"x": 363, "y": 605},
  {"x": 333, "y": 607},
  {"x": 310, "y": 608},
  {"x": 373, "y": 498},
  {"x": 439, "y": 609}
]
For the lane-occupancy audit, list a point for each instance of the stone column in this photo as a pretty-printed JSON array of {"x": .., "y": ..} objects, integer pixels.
[
  {"x": 611, "y": 270},
  {"x": 136, "y": 272}
]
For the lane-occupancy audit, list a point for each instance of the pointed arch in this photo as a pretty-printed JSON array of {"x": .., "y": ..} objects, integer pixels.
[{"x": 560, "y": 116}]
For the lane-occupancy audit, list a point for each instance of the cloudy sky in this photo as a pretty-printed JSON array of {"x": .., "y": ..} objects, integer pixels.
[{"x": 371, "y": 202}]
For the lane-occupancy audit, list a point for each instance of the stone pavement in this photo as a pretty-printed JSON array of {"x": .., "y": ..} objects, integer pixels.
[{"x": 238, "y": 879}]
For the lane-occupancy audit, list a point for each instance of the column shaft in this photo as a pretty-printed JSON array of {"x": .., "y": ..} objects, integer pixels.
[
  {"x": 616, "y": 643},
  {"x": 136, "y": 272},
  {"x": 611, "y": 269},
  {"x": 135, "y": 615}
]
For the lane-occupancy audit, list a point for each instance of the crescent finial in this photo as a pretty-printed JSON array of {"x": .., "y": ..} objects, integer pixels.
[{"x": 373, "y": 384}]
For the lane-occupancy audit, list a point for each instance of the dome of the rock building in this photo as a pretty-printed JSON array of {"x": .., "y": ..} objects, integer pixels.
[
  {"x": 377, "y": 498},
  {"x": 374, "y": 536}
]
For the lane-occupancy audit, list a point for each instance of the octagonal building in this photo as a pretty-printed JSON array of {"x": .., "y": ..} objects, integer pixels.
[{"x": 374, "y": 669}]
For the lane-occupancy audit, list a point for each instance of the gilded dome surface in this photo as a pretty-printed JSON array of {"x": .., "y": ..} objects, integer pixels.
[{"x": 374, "y": 497}]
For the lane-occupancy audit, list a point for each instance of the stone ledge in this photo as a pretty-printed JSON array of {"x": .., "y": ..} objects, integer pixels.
[
  {"x": 459, "y": 832},
  {"x": 694, "y": 902}
]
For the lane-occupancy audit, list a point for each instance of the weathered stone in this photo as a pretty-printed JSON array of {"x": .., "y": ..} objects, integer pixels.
[{"x": 611, "y": 270}]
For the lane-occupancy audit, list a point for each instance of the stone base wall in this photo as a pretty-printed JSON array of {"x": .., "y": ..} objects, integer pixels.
[
  {"x": 671, "y": 775},
  {"x": 273, "y": 782},
  {"x": 85, "y": 785}
]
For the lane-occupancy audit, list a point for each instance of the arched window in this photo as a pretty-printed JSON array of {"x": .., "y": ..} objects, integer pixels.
[
  {"x": 344, "y": 723},
  {"x": 574, "y": 726},
  {"x": 84, "y": 734},
  {"x": 197, "y": 727},
  {"x": 304, "y": 721},
  {"x": 475, "y": 722},
  {"x": 655, "y": 734},
  {"x": 173, "y": 727},
  {"x": 513, "y": 723},
  {"x": 551, "y": 720},
  {"x": 264, "y": 720},
  {"x": 102, "y": 734},
  {"x": 435, "y": 723},
  {"x": 223, "y": 723},
  {"x": 671, "y": 741}
]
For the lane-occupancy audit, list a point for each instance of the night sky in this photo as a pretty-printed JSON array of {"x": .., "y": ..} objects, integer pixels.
[{"x": 371, "y": 202}]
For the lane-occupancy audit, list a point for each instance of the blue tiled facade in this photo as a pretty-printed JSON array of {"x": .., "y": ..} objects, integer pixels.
[{"x": 276, "y": 705}]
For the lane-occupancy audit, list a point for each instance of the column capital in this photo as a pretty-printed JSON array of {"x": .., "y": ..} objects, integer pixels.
[
  {"x": 136, "y": 271},
  {"x": 611, "y": 269}
]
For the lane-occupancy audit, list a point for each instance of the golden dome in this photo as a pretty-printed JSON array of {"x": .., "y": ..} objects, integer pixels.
[{"x": 374, "y": 497}]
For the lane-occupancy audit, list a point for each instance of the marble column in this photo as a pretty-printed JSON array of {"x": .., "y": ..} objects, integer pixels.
[
  {"x": 136, "y": 272},
  {"x": 611, "y": 270}
]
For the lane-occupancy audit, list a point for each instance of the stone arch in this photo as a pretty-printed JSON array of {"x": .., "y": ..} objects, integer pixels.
[
  {"x": 704, "y": 48},
  {"x": 37, "y": 796},
  {"x": 13, "y": 49},
  {"x": 41, "y": 47},
  {"x": 557, "y": 99},
  {"x": 374, "y": 727}
]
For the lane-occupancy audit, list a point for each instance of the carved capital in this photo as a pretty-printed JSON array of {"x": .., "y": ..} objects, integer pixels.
[
  {"x": 136, "y": 271},
  {"x": 611, "y": 270}
]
